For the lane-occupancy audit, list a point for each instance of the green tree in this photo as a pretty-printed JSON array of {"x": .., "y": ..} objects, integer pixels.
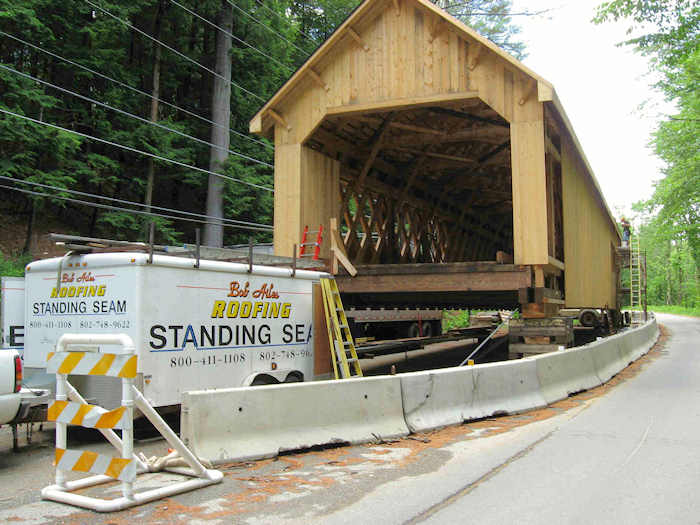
[
  {"x": 492, "y": 19},
  {"x": 668, "y": 33}
]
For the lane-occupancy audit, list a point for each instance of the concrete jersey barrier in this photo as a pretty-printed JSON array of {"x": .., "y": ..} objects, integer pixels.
[
  {"x": 451, "y": 396},
  {"x": 251, "y": 423},
  {"x": 438, "y": 398},
  {"x": 564, "y": 373}
]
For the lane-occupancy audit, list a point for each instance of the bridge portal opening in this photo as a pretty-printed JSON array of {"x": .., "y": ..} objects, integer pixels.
[{"x": 427, "y": 184}]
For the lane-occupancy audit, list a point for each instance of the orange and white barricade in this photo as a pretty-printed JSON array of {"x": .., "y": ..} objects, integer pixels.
[{"x": 70, "y": 408}]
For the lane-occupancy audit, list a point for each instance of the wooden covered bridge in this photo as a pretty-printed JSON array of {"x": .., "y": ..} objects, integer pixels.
[{"x": 452, "y": 170}]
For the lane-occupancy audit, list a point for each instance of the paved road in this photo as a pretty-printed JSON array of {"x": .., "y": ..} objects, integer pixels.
[
  {"x": 628, "y": 452},
  {"x": 632, "y": 456}
]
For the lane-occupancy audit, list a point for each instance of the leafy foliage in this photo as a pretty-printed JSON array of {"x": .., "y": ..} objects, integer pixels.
[
  {"x": 270, "y": 40},
  {"x": 669, "y": 33},
  {"x": 491, "y": 18}
]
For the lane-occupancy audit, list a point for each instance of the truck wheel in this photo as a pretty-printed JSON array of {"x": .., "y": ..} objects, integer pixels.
[{"x": 588, "y": 318}]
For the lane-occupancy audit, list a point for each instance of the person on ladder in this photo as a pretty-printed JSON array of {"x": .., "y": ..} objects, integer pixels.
[{"x": 625, "y": 232}]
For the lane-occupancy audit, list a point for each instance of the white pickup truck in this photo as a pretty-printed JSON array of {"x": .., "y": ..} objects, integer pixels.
[
  {"x": 10, "y": 385},
  {"x": 17, "y": 404}
]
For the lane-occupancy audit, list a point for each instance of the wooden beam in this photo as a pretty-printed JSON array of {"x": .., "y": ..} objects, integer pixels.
[
  {"x": 481, "y": 135},
  {"x": 413, "y": 173},
  {"x": 529, "y": 91},
  {"x": 357, "y": 38},
  {"x": 556, "y": 263},
  {"x": 401, "y": 103},
  {"x": 437, "y": 282},
  {"x": 317, "y": 78},
  {"x": 338, "y": 252},
  {"x": 255, "y": 125},
  {"x": 436, "y": 155},
  {"x": 376, "y": 146},
  {"x": 443, "y": 212},
  {"x": 495, "y": 151},
  {"x": 279, "y": 119},
  {"x": 399, "y": 125},
  {"x": 469, "y": 116},
  {"x": 551, "y": 148}
]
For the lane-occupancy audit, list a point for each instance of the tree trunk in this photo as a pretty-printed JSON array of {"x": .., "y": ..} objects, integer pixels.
[
  {"x": 221, "y": 115},
  {"x": 155, "y": 92},
  {"x": 30, "y": 229}
]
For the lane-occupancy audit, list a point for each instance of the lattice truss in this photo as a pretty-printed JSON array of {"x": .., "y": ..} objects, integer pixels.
[{"x": 423, "y": 185}]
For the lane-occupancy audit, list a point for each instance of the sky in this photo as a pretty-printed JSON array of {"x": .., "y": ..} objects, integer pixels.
[{"x": 601, "y": 87}]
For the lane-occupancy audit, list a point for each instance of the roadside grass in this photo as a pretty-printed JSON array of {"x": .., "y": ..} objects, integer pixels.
[
  {"x": 454, "y": 319},
  {"x": 692, "y": 311},
  {"x": 13, "y": 266}
]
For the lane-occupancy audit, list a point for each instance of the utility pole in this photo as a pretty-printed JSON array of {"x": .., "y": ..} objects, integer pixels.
[
  {"x": 155, "y": 93},
  {"x": 221, "y": 116}
]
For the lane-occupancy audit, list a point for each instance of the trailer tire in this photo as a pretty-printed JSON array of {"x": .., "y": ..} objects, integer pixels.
[
  {"x": 264, "y": 379},
  {"x": 414, "y": 330},
  {"x": 294, "y": 377}
]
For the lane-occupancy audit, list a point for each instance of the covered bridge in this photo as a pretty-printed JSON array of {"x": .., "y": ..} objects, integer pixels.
[{"x": 439, "y": 154}]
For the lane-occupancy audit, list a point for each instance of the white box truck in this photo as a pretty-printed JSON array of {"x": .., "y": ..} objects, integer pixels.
[
  {"x": 212, "y": 326},
  {"x": 12, "y": 314}
]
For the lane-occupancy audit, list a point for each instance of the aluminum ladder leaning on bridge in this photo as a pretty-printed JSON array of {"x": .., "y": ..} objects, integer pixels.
[{"x": 635, "y": 273}]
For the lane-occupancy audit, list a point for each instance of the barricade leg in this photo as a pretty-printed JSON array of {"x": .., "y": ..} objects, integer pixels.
[
  {"x": 128, "y": 433},
  {"x": 61, "y": 428}
]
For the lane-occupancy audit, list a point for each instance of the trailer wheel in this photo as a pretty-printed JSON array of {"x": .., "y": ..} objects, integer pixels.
[
  {"x": 264, "y": 379},
  {"x": 413, "y": 330},
  {"x": 294, "y": 377}
]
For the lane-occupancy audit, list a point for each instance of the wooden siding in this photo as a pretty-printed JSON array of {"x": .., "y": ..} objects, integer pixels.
[
  {"x": 404, "y": 64},
  {"x": 589, "y": 238},
  {"x": 414, "y": 59},
  {"x": 306, "y": 194}
]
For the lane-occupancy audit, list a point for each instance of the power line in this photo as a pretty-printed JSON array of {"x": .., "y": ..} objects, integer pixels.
[
  {"x": 309, "y": 38},
  {"x": 147, "y": 154},
  {"x": 265, "y": 26},
  {"x": 136, "y": 90},
  {"x": 127, "y": 210},
  {"x": 290, "y": 70},
  {"x": 122, "y": 201},
  {"x": 121, "y": 111},
  {"x": 118, "y": 208},
  {"x": 178, "y": 53}
]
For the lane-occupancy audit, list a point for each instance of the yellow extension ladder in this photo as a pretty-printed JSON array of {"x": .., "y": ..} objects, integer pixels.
[
  {"x": 635, "y": 273},
  {"x": 343, "y": 354}
]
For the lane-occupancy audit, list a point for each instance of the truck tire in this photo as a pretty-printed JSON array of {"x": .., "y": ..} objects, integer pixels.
[{"x": 588, "y": 318}]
